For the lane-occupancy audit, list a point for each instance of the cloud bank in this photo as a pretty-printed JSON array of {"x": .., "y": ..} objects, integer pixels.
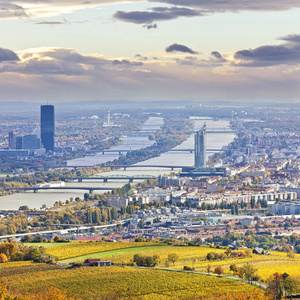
[
  {"x": 287, "y": 53},
  {"x": 64, "y": 74},
  {"x": 156, "y": 14}
]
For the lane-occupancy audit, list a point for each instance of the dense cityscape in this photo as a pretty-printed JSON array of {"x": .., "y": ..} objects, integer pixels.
[{"x": 240, "y": 194}]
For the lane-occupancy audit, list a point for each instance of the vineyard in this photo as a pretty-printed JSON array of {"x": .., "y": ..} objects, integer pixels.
[
  {"x": 194, "y": 257},
  {"x": 88, "y": 283},
  {"x": 71, "y": 250},
  {"x": 166, "y": 280}
]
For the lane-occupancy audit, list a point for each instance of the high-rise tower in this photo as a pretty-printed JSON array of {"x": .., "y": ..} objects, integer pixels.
[
  {"x": 47, "y": 126},
  {"x": 108, "y": 117},
  {"x": 200, "y": 148},
  {"x": 12, "y": 140}
]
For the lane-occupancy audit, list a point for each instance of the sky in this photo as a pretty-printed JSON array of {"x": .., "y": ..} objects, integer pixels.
[{"x": 76, "y": 50}]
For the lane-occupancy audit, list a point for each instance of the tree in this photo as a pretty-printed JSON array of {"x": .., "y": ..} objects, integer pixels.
[
  {"x": 297, "y": 248},
  {"x": 8, "y": 249},
  {"x": 219, "y": 270},
  {"x": 208, "y": 268},
  {"x": 3, "y": 258},
  {"x": 56, "y": 239},
  {"x": 289, "y": 285},
  {"x": 228, "y": 252},
  {"x": 24, "y": 207},
  {"x": 249, "y": 272},
  {"x": 241, "y": 272},
  {"x": 114, "y": 213},
  {"x": 210, "y": 256},
  {"x": 233, "y": 268},
  {"x": 275, "y": 287},
  {"x": 141, "y": 224},
  {"x": 86, "y": 196},
  {"x": 173, "y": 257},
  {"x": 290, "y": 254}
]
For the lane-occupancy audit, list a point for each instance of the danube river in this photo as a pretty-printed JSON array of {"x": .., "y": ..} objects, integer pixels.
[{"x": 49, "y": 197}]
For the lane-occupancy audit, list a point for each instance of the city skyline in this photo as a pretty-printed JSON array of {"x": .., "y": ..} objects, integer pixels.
[{"x": 65, "y": 51}]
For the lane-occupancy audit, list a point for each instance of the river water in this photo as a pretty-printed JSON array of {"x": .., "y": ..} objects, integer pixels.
[{"x": 49, "y": 197}]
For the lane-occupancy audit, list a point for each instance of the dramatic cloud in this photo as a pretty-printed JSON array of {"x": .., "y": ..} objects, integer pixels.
[
  {"x": 42, "y": 8},
  {"x": 60, "y": 61},
  {"x": 288, "y": 53},
  {"x": 11, "y": 10},
  {"x": 156, "y": 14},
  {"x": 180, "y": 48},
  {"x": 65, "y": 74},
  {"x": 8, "y": 55},
  {"x": 235, "y": 5},
  {"x": 47, "y": 8}
]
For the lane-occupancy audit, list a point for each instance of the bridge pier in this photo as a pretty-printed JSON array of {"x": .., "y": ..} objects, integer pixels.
[
  {"x": 35, "y": 191},
  {"x": 105, "y": 180},
  {"x": 124, "y": 168},
  {"x": 91, "y": 191},
  {"x": 131, "y": 180},
  {"x": 80, "y": 180}
]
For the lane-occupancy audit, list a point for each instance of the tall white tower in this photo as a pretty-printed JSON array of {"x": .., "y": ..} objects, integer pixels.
[
  {"x": 108, "y": 117},
  {"x": 200, "y": 148}
]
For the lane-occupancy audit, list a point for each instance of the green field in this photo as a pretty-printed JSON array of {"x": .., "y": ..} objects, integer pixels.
[
  {"x": 115, "y": 255},
  {"x": 74, "y": 250}
]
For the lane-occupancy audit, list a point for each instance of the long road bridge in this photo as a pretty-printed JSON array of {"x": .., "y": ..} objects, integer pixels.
[
  {"x": 172, "y": 167},
  {"x": 36, "y": 189},
  {"x": 106, "y": 178},
  {"x": 103, "y": 151}
]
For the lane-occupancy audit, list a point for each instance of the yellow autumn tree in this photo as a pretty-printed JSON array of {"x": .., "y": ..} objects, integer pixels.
[{"x": 3, "y": 258}]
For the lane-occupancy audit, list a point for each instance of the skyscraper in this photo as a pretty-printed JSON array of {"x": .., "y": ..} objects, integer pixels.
[
  {"x": 12, "y": 140},
  {"x": 200, "y": 148},
  {"x": 47, "y": 127}
]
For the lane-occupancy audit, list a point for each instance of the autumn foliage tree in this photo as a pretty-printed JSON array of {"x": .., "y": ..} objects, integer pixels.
[
  {"x": 3, "y": 258},
  {"x": 219, "y": 271}
]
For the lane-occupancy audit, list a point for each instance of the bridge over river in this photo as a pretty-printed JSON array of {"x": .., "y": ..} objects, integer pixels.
[
  {"x": 103, "y": 151},
  {"x": 116, "y": 177},
  {"x": 36, "y": 189}
]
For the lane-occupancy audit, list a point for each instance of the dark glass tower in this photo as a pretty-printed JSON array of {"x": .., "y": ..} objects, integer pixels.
[{"x": 47, "y": 127}]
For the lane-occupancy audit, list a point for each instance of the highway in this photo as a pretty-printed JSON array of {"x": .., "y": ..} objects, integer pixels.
[{"x": 58, "y": 231}]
